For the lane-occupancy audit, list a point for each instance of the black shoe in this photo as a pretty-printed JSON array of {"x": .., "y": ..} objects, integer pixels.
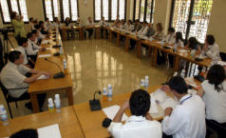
[{"x": 29, "y": 106}]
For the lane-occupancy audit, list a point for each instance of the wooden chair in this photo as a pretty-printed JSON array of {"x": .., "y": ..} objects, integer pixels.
[{"x": 9, "y": 99}]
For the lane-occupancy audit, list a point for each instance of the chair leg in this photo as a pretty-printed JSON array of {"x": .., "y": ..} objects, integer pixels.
[
  {"x": 16, "y": 104},
  {"x": 10, "y": 111}
]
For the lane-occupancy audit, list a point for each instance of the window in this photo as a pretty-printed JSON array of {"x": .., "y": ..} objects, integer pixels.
[
  {"x": 9, "y": 6},
  {"x": 109, "y": 9},
  {"x": 69, "y": 9},
  {"x": 191, "y": 17},
  {"x": 144, "y": 10}
]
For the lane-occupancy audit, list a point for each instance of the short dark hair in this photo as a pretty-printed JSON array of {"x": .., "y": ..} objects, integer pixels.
[
  {"x": 178, "y": 84},
  {"x": 37, "y": 26},
  {"x": 13, "y": 15},
  {"x": 179, "y": 36},
  {"x": 210, "y": 39},
  {"x": 25, "y": 133},
  {"x": 29, "y": 35},
  {"x": 139, "y": 102},
  {"x": 31, "y": 19},
  {"x": 14, "y": 55},
  {"x": 216, "y": 75},
  {"x": 22, "y": 40},
  {"x": 34, "y": 31},
  {"x": 193, "y": 43},
  {"x": 171, "y": 29}
]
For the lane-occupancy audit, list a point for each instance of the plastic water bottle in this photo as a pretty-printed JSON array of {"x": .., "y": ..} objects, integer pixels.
[
  {"x": 142, "y": 84},
  {"x": 146, "y": 82},
  {"x": 4, "y": 116},
  {"x": 50, "y": 105},
  {"x": 65, "y": 64},
  {"x": 109, "y": 92},
  {"x": 105, "y": 94},
  {"x": 57, "y": 102}
]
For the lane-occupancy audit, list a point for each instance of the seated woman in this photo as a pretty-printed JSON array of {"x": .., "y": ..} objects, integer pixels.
[
  {"x": 211, "y": 48},
  {"x": 214, "y": 94},
  {"x": 159, "y": 32},
  {"x": 179, "y": 41},
  {"x": 70, "y": 31},
  {"x": 194, "y": 46}
]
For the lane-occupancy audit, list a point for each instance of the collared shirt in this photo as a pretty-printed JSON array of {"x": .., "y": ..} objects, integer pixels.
[
  {"x": 32, "y": 48},
  {"x": 136, "y": 127},
  {"x": 170, "y": 38},
  {"x": 215, "y": 101},
  {"x": 187, "y": 120},
  {"x": 23, "y": 51},
  {"x": 213, "y": 51},
  {"x": 12, "y": 77}
]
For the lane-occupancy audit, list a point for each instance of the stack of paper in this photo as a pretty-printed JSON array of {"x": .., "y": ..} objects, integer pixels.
[
  {"x": 51, "y": 131},
  {"x": 43, "y": 77},
  {"x": 111, "y": 111},
  {"x": 44, "y": 56}
]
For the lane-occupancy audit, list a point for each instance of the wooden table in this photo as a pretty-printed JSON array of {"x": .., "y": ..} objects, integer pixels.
[
  {"x": 91, "y": 122},
  {"x": 51, "y": 84},
  {"x": 66, "y": 119}
]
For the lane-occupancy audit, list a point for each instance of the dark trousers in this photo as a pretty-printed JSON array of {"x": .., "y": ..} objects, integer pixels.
[
  {"x": 70, "y": 34},
  {"x": 90, "y": 32},
  {"x": 41, "y": 98},
  {"x": 132, "y": 44},
  {"x": 171, "y": 60},
  {"x": 161, "y": 58},
  {"x": 166, "y": 136},
  {"x": 220, "y": 128}
]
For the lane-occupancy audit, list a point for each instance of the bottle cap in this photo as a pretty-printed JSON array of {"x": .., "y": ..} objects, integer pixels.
[
  {"x": 57, "y": 96},
  {"x": 50, "y": 101},
  {"x": 146, "y": 77}
]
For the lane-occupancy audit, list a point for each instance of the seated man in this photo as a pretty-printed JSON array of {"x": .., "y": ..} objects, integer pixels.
[
  {"x": 14, "y": 79},
  {"x": 140, "y": 124},
  {"x": 23, "y": 44},
  {"x": 25, "y": 133},
  {"x": 187, "y": 120}
]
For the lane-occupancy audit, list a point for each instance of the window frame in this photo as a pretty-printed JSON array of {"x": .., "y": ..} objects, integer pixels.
[
  {"x": 10, "y": 12},
  {"x": 109, "y": 10},
  {"x": 61, "y": 9},
  {"x": 145, "y": 10}
]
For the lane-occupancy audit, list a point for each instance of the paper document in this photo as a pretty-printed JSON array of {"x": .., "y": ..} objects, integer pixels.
[
  {"x": 51, "y": 131},
  {"x": 45, "y": 41},
  {"x": 159, "y": 95},
  {"x": 43, "y": 77},
  {"x": 154, "y": 106},
  {"x": 44, "y": 55},
  {"x": 111, "y": 111}
]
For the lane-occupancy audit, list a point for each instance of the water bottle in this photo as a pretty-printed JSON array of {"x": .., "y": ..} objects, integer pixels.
[
  {"x": 50, "y": 105},
  {"x": 109, "y": 92},
  {"x": 146, "y": 82},
  {"x": 65, "y": 64},
  {"x": 105, "y": 94},
  {"x": 142, "y": 84},
  {"x": 4, "y": 116},
  {"x": 57, "y": 102},
  {"x": 61, "y": 50}
]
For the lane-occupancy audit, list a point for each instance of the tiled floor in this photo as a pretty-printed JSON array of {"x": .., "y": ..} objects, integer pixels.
[{"x": 96, "y": 63}]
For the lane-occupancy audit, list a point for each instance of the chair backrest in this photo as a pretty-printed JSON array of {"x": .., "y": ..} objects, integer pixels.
[
  {"x": 223, "y": 56},
  {"x": 4, "y": 90}
]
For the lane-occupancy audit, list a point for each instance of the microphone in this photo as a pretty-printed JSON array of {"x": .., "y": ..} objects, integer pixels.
[
  {"x": 59, "y": 74},
  {"x": 95, "y": 103}
]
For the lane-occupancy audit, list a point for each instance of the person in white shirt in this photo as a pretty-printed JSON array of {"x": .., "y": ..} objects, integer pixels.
[
  {"x": 22, "y": 48},
  {"x": 41, "y": 36},
  {"x": 143, "y": 31},
  {"x": 70, "y": 31},
  {"x": 56, "y": 23},
  {"x": 187, "y": 119},
  {"x": 14, "y": 79},
  {"x": 140, "y": 123},
  {"x": 89, "y": 23},
  {"x": 31, "y": 24},
  {"x": 213, "y": 92},
  {"x": 211, "y": 48},
  {"x": 47, "y": 24},
  {"x": 170, "y": 38},
  {"x": 179, "y": 41},
  {"x": 102, "y": 23},
  {"x": 159, "y": 32}
]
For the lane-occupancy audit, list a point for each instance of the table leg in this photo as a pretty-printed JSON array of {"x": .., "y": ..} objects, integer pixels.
[
  {"x": 34, "y": 102},
  {"x": 110, "y": 35},
  {"x": 127, "y": 43},
  {"x": 118, "y": 39},
  {"x": 176, "y": 63},
  {"x": 155, "y": 54},
  {"x": 81, "y": 34},
  {"x": 70, "y": 96},
  {"x": 139, "y": 49}
]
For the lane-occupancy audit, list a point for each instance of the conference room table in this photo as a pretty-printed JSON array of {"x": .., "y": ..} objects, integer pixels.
[
  {"x": 66, "y": 119},
  {"x": 156, "y": 46},
  {"x": 50, "y": 85}
]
